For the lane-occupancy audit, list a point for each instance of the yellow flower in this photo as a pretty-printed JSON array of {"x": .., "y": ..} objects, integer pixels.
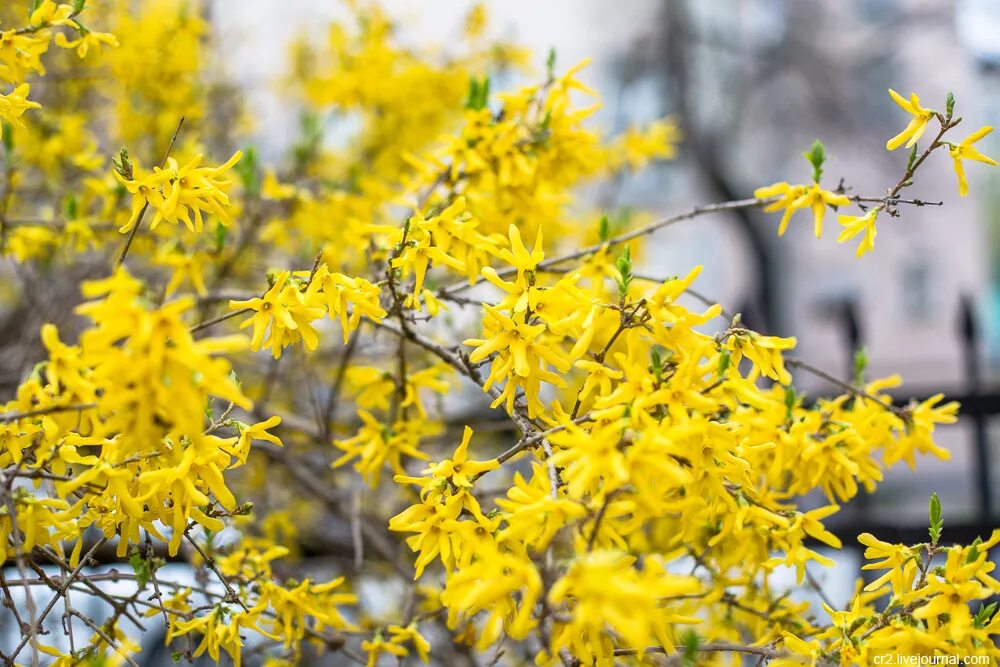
[
  {"x": 591, "y": 458},
  {"x": 49, "y": 13},
  {"x": 409, "y": 635},
  {"x": 145, "y": 191},
  {"x": 376, "y": 646},
  {"x": 417, "y": 255},
  {"x": 189, "y": 267},
  {"x": 65, "y": 368},
  {"x": 599, "y": 377},
  {"x": 377, "y": 444},
  {"x": 605, "y": 590},
  {"x": 800, "y": 648},
  {"x": 950, "y": 601},
  {"x": 476, "y": 21},
  {"x": 659, "y": 485},
  {"x": 175, "y": 192},
  {"x": 523, "y": 356},
  {"x": 269, "y": 311},
  {"x": 285, "y": 313},
  {"x": 518, "y": 256},
  {"x": 86, "y": 41},
  {"x": 763, "y": 351},
  {"x": 459, "y": 470},
  {"x": 916, "y": 127},
  {"x": 218, "y": 634},
  {"x": 787, "y": 195},
  {"x": 812, "y": 526},
  {"x": 794, "y": 198},
  {"x": 899, "y": 560},
  {"x": 433, "y": 521},
  {"x": 348, "y": 299},
  {"x": 193, "y": 188},
  {"x": 854, "y": 225},
  {"x": 21, "y": 54},
  {"x": 919, "y": 421},
  {"x": 36, "y": 518},
  {"x": 14, "y": 104},
  {"x": 375, "y": 386},
  {"x": 533, "y": 513},
  {"x": 964, "y": 563},
  {"x": 817, "y": 199},
  {"x": 638, "y": 146},
  {"x": 508, "y": 600},
  {"x": 965, "y": 151},
  {"x": 249, "y": 433}
]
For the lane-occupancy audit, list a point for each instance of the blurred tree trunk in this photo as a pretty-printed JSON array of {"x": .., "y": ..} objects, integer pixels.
[{"x": 678, "y": 44}]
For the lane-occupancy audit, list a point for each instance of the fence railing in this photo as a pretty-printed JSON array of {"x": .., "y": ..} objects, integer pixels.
[{"x": 978, "y": 405}]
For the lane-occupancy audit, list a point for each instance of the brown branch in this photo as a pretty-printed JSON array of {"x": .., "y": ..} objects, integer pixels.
[
  {"x": 52, "y": 409},
  {"x": 525, "y": 443},
  {"x": 68, "y": 581},
  {"x": 221, "y": 318},
  {"x": 598, "y": 518},
  {"x": 325, "y": 492},
  {"x": 711, "y": 647},
  {"x": 103, "y": 635},
  {"x": 795, "y": 362},
  {"x": 461, "y": 363},
  {"x": 622, "y": 238}
]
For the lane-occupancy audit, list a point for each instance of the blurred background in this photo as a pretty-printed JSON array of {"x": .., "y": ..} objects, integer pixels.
[{"x": 752, "y": 83}]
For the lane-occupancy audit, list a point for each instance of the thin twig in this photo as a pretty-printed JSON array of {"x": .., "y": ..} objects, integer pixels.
[
  {"x": 231, "y": 594},
  {"x": 711, "y": 647},
  {"x": 52, "y": 409},
  {"x": 221, "y": 318},
  {"x": 530, "y": 441},
  {"x": 103, "y": 635},
  {"x": 814, "y": 584},
  {"x": 15, "y": 534},
  {"x": 598, "y": 518},
  {"x": 145, "y": 207},
  {"x": 623, "y": 238},
  {"x": 52, "y": 603},
  {"x": 458, "y": 362},
  {"x": 795, "y": 362}
]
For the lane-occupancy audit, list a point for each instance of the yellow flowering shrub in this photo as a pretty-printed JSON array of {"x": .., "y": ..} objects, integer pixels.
[{"x": 632, "y": 483}]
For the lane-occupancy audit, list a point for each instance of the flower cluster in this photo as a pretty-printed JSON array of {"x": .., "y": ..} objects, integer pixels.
[
  {"x": 633, "y": 483},
  {"x": 127, "y": 408},
  {"x": 21, "y": 51},
  {"x": 930, "y": 611},
  {"x": 286, "y": 311},
  {"x": 176, "y": 192},
  {"x": 288, "y": 613},
  {"x": 791, "y": 198}
]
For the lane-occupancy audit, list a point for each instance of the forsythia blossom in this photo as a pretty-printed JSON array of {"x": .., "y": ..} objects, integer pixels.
[
  {"x": 14, "y": 104},
  {"x": 916, "y": 127},
  {"x": 794, "y": 198},
  {"x": 176, "y": 192},
  {"x": 964, "y": 150},
  {"x": 860, "y": 224},
  {"x": 639, "y": 492},
  {"x": 286, "y": 311}
]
